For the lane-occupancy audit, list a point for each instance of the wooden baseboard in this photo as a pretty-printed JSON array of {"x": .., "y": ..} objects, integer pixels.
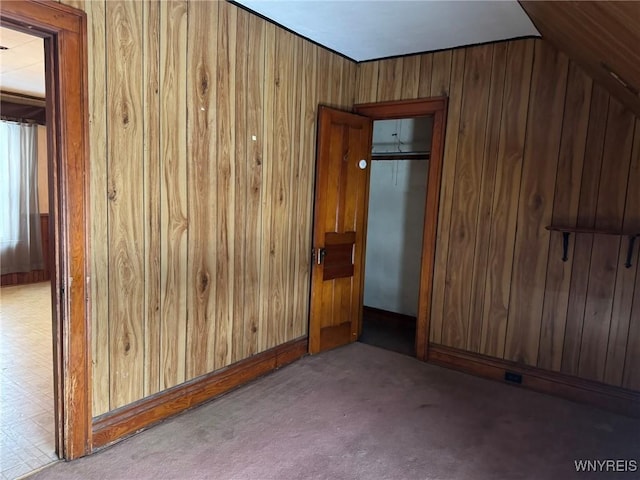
[
  {"x": 119, "y": 424},
  {"x": 616, "y": 399}
]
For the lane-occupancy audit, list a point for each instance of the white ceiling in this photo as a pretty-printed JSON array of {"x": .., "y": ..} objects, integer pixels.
[
  {"x": 22, "y": 64},
  {"x": 367, "y": 30}
]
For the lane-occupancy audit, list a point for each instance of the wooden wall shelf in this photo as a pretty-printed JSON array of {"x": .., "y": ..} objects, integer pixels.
[{"x": 566, "y": 231}]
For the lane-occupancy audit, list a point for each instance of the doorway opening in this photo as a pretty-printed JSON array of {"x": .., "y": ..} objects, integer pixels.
[
  {"x": 340, "y": 213},
  {"x": 394, "y": 238},
  {"x": 63, "y": 30},
  {"x": 27, "y": 417}
]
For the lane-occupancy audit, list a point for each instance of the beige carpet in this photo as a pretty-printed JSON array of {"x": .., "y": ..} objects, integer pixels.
[{"x": 360, "y": 412}]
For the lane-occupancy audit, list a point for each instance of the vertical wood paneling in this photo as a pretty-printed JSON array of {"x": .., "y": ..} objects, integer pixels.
[
  {"x": 631, "y": 376},
  {"x": 293, "y": 255},
  {"x": 390, "y": 80},
  {"x": 280, "y": 273},
  {"x": 487, "y": 186},
  {"x": 308, "y": 95},
  {"x": 151, "y": 35},
  {"x": 465, "y": 200},
  {"x": 582, "y": 246},
  {"x": 202, "y": 122},
  {"x": 240, "y": 207},
  {"x": 411, "y": 76},
  {"x": 225, "y": 184},
  {"x": 565, "y": 212},
  {"x": 278, "y": 241},
  {"x": 426, "y": 71},
  {"x": 604, "y": 259},
  {"x": 125, "y": 195},
  {"x": 253, "y": 220},
  {"x": 536, "y": 159},
  {"x": 544, "y": 129},
  {"x": 620, "y": 336},
  {"x": 173, "y": 50},
  {"x": 513, "y": 125},
  {"x": 266, "y": 333},
  {"x": 96, "y": 36},
  {"x": 630, "y": 334},
  {"x": 443, "y": 71},
  {"x": 203, "y": 150},
  {"x": 367, "y": 82}
]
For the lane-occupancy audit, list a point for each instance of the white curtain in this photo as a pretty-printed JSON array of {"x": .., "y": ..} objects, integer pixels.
[{"x": 20, "y": 237}]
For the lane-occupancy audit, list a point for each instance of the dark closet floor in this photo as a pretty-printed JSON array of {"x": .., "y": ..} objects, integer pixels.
[{"x": 389, "y": 331}]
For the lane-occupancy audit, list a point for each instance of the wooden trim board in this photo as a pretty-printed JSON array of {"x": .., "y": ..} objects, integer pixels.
[
  {"x": 607, "y": 397},
  {"x": 119, "y": 424}
]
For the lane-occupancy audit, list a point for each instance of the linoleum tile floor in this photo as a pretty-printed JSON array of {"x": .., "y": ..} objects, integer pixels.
[{"x": 27, "y": 440}]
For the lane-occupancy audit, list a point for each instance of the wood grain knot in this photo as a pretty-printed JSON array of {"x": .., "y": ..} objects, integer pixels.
[
  {"x": 127, "y": 345},
  {"x": 277, "y": 82},
  {"x": 258, "y": 161},
  {"x": 203, "y": 282},
  {"x": 204, "y": 85},
  {"x": 537, "y": 201},
  {"x": 125, "y": 114},
  {"x": 254, "y": 329},
  {"x": 111, "y": 194}
]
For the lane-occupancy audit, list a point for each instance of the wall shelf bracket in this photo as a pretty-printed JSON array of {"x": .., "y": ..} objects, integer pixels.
[
  {"x": 566, "y": 231},
  {"x": 565, "y": 246},
  {"x": 632, "y": 240}
]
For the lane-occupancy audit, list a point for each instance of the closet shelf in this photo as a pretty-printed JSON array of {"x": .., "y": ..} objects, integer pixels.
[
  {"x": 401, "y": 156},
  {"x": 566, "y": 231}
]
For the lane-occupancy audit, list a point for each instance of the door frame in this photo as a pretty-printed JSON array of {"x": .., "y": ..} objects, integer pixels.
[
  {"x": 64, "y": 30},
  {"x": 436, "y": 107}
]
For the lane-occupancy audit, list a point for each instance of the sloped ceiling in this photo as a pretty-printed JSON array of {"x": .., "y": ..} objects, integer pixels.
[{"x": 601, "y": 36}]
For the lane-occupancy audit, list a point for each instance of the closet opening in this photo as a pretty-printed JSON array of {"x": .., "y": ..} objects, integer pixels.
[{"x": 398, "y": 189}]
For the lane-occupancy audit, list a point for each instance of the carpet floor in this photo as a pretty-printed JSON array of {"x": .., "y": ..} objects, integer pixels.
[{"x": 360, "y": 412}]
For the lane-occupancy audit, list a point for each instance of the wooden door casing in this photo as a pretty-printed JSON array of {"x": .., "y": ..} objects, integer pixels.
[
  {"x": 436, "y": 107},
  {"x": 344, "y": 139},
  {"x": 64, "y": 30}
]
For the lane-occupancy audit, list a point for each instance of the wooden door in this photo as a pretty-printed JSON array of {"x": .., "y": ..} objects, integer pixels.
[{"x": 342, "y": 182}]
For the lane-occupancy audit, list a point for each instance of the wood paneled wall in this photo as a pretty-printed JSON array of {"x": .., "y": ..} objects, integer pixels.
[
  {"x": 202, "y": 159},
  {"x": 531, "y": 140},
  {"x": 202, "y": 155}
]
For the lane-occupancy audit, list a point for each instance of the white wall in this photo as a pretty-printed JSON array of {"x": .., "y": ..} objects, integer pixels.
[
  {"x": 397, "y": 195},
  {"x": 394, "y": 234},
  {"x": 402, "y": 135}
]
